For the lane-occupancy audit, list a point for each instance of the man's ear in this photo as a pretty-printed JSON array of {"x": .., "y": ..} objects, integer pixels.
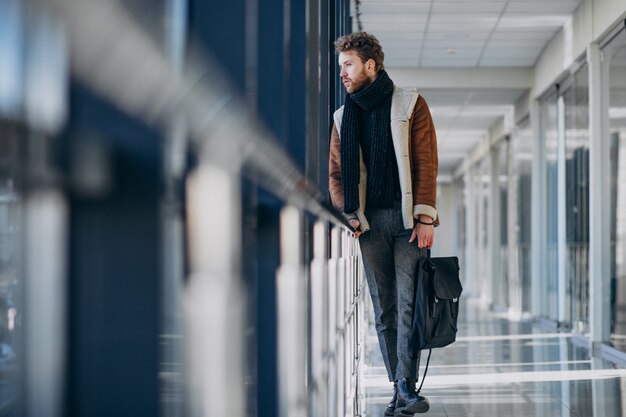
[{"x": 371, "y": 65}]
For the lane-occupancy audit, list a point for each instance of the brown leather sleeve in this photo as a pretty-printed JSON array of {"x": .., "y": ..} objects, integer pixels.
[
  {"x": 424, "y": 159},
  {"x": 334, "y": 171}
]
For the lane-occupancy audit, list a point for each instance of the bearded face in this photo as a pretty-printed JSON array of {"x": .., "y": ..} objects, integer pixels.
[{"x": 355, "y": 74}]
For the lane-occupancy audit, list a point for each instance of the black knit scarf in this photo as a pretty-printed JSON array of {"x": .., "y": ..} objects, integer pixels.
[{"x": 376, "y": 98}]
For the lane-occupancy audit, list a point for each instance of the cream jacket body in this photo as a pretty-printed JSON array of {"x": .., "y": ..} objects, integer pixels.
[{"x": 415, "y": 148}]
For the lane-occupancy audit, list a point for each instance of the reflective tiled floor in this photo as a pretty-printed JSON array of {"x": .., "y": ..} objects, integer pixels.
[{"x": 499, "y": 367}]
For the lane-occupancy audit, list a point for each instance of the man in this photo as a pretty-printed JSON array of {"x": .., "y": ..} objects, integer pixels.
[{"x": 383, "y": 171}]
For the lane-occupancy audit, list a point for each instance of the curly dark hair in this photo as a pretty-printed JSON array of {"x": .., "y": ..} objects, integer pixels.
[{"x": 365, "y": 45}]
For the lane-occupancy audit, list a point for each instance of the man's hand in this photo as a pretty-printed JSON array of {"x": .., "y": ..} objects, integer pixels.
[
  {"x": 357, "y": 226},
  {"x": 425, "y": 234}
]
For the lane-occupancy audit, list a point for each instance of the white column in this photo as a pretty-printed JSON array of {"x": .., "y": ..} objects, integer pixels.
[
  {"x": 481, "y": 265},
  {"x": 35, "y": 62},
  {"x": 318, "y": 390},
  {"x": 292, "y": 317},
  {"x": 562, "y": 214},
  {"x": 45, "y": 314},
  {"x": 538, "y": 216},
  {"x": 605, "y": 393},
  {"x": 494, "y": 226},
  {"x": 599, "y": 203},
  {"x": 348, "y": 330},
  {"x": 340, "y": 348},
  {"x": 333, "y": 323},
  {"x": 471, "y": 232},
  {"x": 214, "y": 300},
  {"x": 515, "y": 284}
]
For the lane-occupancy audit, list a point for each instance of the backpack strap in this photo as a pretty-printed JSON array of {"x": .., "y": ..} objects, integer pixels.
[
  {"x": 425, "y": 370},
  {"x": 429, "y": 350}
]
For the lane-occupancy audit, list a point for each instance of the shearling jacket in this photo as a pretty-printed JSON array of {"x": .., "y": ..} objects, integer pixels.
[{"x": 415, "y": 148}]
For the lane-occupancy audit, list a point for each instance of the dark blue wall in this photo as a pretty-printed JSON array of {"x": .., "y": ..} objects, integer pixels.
[
  {"x": 277, "y": 86},
  {"x": 113, "y": 270}
]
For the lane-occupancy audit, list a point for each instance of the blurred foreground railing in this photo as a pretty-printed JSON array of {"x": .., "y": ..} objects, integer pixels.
[
  {"x": 334, "y": 339},
  {"x": 319, "y": 299}
]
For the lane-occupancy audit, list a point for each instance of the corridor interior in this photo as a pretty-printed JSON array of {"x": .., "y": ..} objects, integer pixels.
[{"x": 502, "y": 367}]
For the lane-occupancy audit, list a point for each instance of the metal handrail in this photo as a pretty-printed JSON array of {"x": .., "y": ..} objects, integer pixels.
[{"x": 141, "y": 81}]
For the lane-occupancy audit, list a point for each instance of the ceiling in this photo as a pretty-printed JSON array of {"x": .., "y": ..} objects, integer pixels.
[{"x": 471, "y": 60}]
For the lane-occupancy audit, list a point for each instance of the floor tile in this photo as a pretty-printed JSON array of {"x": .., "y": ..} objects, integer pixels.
[{"x": 499, "y": 367}]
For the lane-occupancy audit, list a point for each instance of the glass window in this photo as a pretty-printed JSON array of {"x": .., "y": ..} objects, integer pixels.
[
  {"x": 615, "y": 59},
  {"x": 521, "y": 174},
  {"x": 576, "y": 113},
  {"x": 483, "y": 181},
  {"x": 503, "y": 283},
  {"x": 460, "y": 201},
  {"x": 10, "y": 234},
  {"x": 549, "y": 131}
]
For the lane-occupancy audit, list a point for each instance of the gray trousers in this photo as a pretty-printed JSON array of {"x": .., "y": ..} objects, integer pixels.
[{"x": 390, "y": 262}]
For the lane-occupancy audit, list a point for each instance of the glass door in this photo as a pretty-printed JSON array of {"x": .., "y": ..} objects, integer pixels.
[
  {"x": 520, "y": 209},
  {"x": 549, "y": 132},
  {"x": 576, "y": 115},
  {"x": 615, "y": 63}
]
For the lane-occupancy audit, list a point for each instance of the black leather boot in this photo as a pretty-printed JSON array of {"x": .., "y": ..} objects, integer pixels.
[
  {"x": 408, "y": 401},
  {"x": 391, "y": 407}
]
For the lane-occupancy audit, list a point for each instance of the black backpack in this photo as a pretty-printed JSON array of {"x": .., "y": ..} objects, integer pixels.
[{"x": 436, "y": 306}]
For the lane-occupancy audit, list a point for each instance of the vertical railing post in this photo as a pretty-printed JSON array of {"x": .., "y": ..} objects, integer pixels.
[
  {"x": 173, "y": 226},
  {"x": 292, "y": 317},
  {"x": 345, "y": 322},
  {"x": 365, "y": 313},
  {"x": 318, "y": 392},
  {"x": 350, "y": 326},
  {"x": 45, "y": 312},
  {"x": 214, "y": 301},
  {"x": 340, "y": 326},
  {"x": 359, "y": 324},
  {"x": 349, "y": 329},
  {"x": 44, "y": 57},
  {"x": 333, "y": 320},
  {"x": 354, "y": 327}
]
